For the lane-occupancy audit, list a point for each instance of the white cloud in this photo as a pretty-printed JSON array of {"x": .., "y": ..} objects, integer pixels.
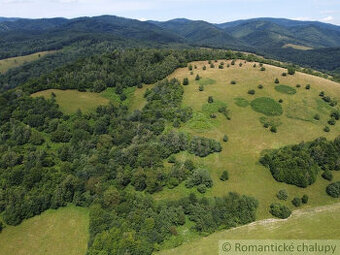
[{"x": 329, "y": 18}]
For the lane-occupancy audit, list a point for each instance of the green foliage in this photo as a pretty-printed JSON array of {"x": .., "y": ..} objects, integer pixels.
[
  {"x": 291, "y": 70},
  {"x": 210, "y": 99},
  {"x": 260, "y": 86},
  {"x": 185, "y": 81},
  {"x": 304, "y": 199},
  {"x": 296, "y": 201},
  {"x": 201, "y": 88},
  {"x": 233, "y": 82},
  {"x": 225, "y": 138},
  {"x": 327, "y": 175},
  {"x": 285, "y": 89},
  {"x": 262, "y": 69},
  {"x": 251, "y": 92},
  {"x": 266, "y": 106},
  {"x": 300, "y": 164},
  {"x": 333, "y": 189},
  {"x": 307, "y": 86},
  {"x": 202, "y": 147},
  {"x": 282, "y": 194},
  {"x": 199, "y": 177},
  {"x": 197, "y": 78},
  {"x": 277, "y": 81},
  {"x": 224, "y": 176},
  {"x": 280, "y": 211}
]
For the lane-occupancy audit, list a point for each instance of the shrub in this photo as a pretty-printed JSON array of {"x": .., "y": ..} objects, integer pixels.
[
  {"x": 233, "y": 82},
  {"x": 221, "y": 66},
  {"x": 233, "y": 62},
  {"x": 280, "y": 211},
  {"x": 263, "y": 69},
  {"x": 212, "y": 65},
  {"x": 266, "y": 125},
  {"x": 304, "y": 199},
  {"x": 308, "y": 86},
  {"x": 201, "y": 88},
  {"x": 202, "y": 147},
  {"x": 185, "y": 81},
  {"x": 277, "y": 81},
  {"x": 317, "y": 117},
  {"x": 240, "y": 64},
  {"x": 224, "y": 176},
  {"x": 225, "y": 138},
  {"x": 191, "y": 73},
  {"x": 273, "y": 129},
  {"x": 280, "y": 101},
  {"x": 210, "y": 99},
  {"x": 333, "y": 189},
  {"x": 199, "y": 176},
  {"x": 204, "y": 68},
  {"x": 260, "y": 86},
  {"x": 284, "y": 74},
  {"x": 228, "y": 65},
  {"x": 282, "y": 194},
  {"x": 296, "y": 201},
  {"x": 322, "y": 93},
  {"x": 261, "y": 64},
  {"x": 1, "y": 226},
  {"x": 291, "y": 70},
  {"x": 326, "y": 129},
  {"x": 201, "y": 188},
  {"x": 195, "y": 66},
  {"x": 190, "y": 67},
  {"x": 332, "y": 121},
  {"x": 254, "y": 65},
  {"x": 213, "y": 115},
  {"x": 172, "y": 159},
  {"x": 298, "y": 85},
  {"x": 327, "y": 175},
  {"x": 197, "y": 77},
  {"x": 209, "y": 62},
  {"x": 251, "y": 92}
]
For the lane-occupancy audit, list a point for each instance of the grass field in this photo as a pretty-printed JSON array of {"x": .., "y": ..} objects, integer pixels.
[
  {"x": 54, "y": 232},
  {"x": 247, "y": 136},
  {"x": 8, "y": 63},
  {"x": 72, "y": 100},
  {"x": 317, "y": 223}
]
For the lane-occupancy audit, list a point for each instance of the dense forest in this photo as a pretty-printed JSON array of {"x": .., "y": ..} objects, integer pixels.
[
  {"x": 300, "y": 164},
  {"x": 110, "y": 160}
]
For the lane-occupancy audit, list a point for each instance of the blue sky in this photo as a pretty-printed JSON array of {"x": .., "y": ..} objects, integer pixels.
[{"x": 209, "y": 10}]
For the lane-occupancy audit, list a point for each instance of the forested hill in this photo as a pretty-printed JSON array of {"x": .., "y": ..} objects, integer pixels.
[{"x": 310, "y": 44}]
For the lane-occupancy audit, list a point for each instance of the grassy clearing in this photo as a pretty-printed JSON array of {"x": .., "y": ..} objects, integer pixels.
[
  {"x": 247, "y": 136},
  {"x": 110, "y": 94},
  {"x": 6, "y": 64},
  {"x": 72, "y": 100},
  {"x": 317, "y": 223},
  {"x": 267, "y": 106},
  {"x": 285, "y": 89},
  {"x": 206, "y": 81},
  {"x": 54, "y": 232},
  {"x": 296, "y": 46},
  {"x": 241, "y": 102}
]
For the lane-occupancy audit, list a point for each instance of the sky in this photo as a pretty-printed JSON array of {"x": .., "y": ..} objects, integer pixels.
[{"x": 216, "y": 11}]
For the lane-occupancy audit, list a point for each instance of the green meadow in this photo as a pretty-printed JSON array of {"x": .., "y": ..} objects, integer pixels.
[
  {"x": 248, "y": 138},
  {"x": 54, "y": 232},
  {"x": 6, "y": 64}
]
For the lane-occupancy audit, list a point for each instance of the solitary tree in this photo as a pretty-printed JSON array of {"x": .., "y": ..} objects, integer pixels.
[
  {"x": 277, "y": 81},
  {"x": 210, "y": 99},
  {"x": 185, "y": 81}
]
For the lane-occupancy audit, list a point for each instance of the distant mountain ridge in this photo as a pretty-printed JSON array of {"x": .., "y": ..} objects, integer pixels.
[{"x": 278, "y": 38}]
